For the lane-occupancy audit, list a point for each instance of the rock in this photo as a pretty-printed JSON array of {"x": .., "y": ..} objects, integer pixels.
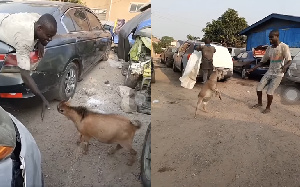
[
  {"x": 128, "y": 105},
  {"x": 89, "y": 92},
  {"x": 106, "y": 82},
  {"x": 126, "y": 91}
]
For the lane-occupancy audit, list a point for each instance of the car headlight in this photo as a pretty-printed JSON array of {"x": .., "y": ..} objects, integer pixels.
[{"x": 5, "y": 151}]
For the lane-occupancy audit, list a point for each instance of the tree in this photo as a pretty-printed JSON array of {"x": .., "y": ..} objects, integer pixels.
[
  {"x": 226, "y": 29},
  {"x": 72, "y": 1},
  {"x": 157, "y": 47},
  {"x": 190, "y": 37},
  {"x": 166, "y": 41}
]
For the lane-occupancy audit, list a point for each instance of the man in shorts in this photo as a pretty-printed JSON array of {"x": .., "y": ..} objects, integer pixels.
[{"x": 280, "y": 59}]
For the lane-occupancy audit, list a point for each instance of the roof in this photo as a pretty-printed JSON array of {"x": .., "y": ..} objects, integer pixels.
[{"x": 271, "y": 16}]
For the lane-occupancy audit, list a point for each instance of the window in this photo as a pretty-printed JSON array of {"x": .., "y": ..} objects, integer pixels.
[
  {"x": 79, "y": 19},
  {"x": 244, "y": 55},
  {"x": 135, "y": 7},
  {"x": 94, "y": 22},
  {"x": 68, "y": 22}
]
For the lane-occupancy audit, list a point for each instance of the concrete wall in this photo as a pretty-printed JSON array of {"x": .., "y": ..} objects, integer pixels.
[{"x": 119, "y": 8}]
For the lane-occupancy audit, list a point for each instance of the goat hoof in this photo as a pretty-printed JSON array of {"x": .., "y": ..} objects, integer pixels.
[
  {"x": 129, "y": 163},
  {"x": 111, "y": 152}
]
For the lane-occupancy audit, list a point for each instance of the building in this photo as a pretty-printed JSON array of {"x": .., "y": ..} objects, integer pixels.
[
  {"x": 288, "y": 26},
  {"x": 111, "y": 10}
]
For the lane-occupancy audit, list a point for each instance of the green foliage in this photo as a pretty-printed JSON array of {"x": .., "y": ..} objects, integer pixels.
[
  {"x": 164, "y": 43},
  {"x": 226, "y": 29},
  {"x": 190, "y": 37}
]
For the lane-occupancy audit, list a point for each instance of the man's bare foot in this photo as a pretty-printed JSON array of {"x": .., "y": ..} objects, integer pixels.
[
  {"x": 256, "y": 106},
  {"x": 267, "y": 110}
]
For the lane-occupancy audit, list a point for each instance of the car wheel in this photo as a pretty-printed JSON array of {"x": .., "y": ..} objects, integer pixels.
[
  {"x": 290, "y": 95},
  {"x": 68, "y": 82},
  {"x": 169, "y": 62},
  {"x": 146, "y": 159},
  {"x": 106, "y": 54},
  {"x": 182, "y": 71},
  {"x": 244, "y": 73},
  {"x": 131, "y": 80},
  {"x": 174, "y": 68},
  {"x": 153, "y": 76}
]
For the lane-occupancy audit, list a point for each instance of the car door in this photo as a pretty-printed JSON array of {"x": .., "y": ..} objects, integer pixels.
[
  {"x": 101, "y": 37},
  {"x": 180, "y": 54},
  {"x": 85, "y": 44}
]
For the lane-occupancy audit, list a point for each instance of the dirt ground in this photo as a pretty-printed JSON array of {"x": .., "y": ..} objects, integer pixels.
[
  {"x": 232, "y": 145},
  {"x": 62, "y": 162}
]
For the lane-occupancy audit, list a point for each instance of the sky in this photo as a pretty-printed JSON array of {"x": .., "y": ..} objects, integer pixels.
[{"x": 178, "y": 18}]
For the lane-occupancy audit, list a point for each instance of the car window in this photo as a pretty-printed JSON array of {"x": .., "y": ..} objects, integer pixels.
[
  {"x": 79, "y": 19},
  {"x": 68, "y": 22},
  {"x": 94, "y": 22},
  {"x": 240, "y": 55},
  {"x": 244, "y": 55}
]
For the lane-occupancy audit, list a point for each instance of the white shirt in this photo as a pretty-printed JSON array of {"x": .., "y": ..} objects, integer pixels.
[{"x": 17, "y": 30}]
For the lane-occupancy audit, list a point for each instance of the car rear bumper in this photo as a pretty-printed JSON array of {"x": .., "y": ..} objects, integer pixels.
[{"x": 12, "y": 86}]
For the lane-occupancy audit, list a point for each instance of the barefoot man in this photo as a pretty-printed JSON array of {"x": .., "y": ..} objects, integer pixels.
[{"x": 280, "y": 59}]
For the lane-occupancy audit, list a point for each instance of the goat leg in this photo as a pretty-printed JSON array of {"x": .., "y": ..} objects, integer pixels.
[
  {"x": 114, "y": 150},
  {"x": 198, "y": 105}
]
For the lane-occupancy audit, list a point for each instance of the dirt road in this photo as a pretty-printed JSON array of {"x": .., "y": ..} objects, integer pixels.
[
  {"x": 62, "y": 162},
  {"x": 231, "y": 146}
]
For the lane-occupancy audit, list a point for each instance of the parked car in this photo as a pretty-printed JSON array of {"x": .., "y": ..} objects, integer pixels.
[
  {"x": 222, "y": 58},
  {"x": 81, "y": 42},
  {"x": 293, "y": 73},
  {"x": 146, "y": 159},
  {"x": 247, "y": 60},
  {"x": 167, "y": 55},
  {"x": 235, "y": 51},
  {"x": 20, "y": 158}
]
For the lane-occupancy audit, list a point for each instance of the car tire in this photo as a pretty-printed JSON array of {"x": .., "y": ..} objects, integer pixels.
[
  {"x": 290, "y": 95},
  {"x": 153, "y": 76},
  {"x": 174, "y": 68},
  {"x": 146, "y": 159},
  {"x": 106, "y": 54},
  {"x": 68, "y": 81},
  {"x": 131, "y": 80},
  {"x": 169, "y": 62},
  {"x": 244, "y": 74}
]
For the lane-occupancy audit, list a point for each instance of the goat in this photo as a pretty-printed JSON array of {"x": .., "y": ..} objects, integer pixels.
[
  {"x": 107, "y": 128},
  {"x": 208, "y": 89}
]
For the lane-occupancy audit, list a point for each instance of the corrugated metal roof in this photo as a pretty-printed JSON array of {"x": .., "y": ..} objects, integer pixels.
[{"x": 271, "y": 16}]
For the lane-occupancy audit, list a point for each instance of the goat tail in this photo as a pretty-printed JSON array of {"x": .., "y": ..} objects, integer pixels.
[{"x": 136, "y": 123}]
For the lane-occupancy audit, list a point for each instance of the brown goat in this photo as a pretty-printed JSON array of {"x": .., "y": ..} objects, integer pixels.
[
  {"x": 208, "y": 89},
  {"x": 107, "y": 128}
]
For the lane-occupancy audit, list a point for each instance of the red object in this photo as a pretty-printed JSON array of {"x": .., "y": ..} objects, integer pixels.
[
  {"x": 11, "y": 59},
  {"x": 2, "y": 57},
  {"x": 11, "y": 95},
  {"x": 188, "y": 57}
]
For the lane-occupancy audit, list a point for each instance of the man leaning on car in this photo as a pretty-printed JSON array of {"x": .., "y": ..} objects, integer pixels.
[{"x": 24, "y": 32}]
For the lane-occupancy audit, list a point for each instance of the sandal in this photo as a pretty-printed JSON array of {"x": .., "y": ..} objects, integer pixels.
[
  {"x": 256, "y": 106},
  {"x": 266, "y": 111}
]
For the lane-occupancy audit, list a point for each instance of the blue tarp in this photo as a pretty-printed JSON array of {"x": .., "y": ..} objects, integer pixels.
[
  {"x": 144, "y": 24},
  {"x": 289, "y": 36}
]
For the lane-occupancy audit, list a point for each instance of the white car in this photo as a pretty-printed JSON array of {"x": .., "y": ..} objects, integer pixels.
[
  {"x": 20, "y": 158},
  {"x": 221, "y": 59}
]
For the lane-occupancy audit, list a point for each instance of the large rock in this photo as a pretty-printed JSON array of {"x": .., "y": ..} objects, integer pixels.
[
  {"x": 125, "y": 91},
  {"x": 128, "y": 104}
]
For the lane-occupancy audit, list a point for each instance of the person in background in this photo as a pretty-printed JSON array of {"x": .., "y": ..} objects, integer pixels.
[{"x": 207, "y": 59}]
